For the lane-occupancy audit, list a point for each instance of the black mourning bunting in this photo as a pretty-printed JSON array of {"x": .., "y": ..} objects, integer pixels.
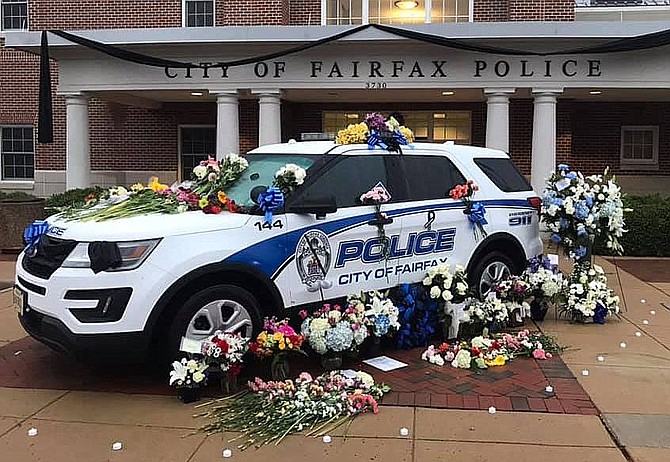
[
  {"x": 104, "y": 255},
  {"x": 45, "y": 128}
]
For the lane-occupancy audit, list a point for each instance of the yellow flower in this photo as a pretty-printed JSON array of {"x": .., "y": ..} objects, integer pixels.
[
  {"x": 282, "y": 345},
  {"x": 137, "y": 187},
  {"x": 497, "y": 361},
  {"x": 222, "y": 197},
  {"x": 155, "y": 185},
  {"x": 353, "y": 134},
  {"x": 278, "y": 336},
  {"x": 262, "y": 336},
  {"x": 203, "y": 202},
  {"x": 407, "y": 133}
]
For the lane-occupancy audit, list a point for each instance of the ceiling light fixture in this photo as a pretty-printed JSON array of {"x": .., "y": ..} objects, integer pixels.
[
  {"x": 595, "y": 92},
  {"x": 197, "y": 93},
  {"x": 447, "y": 93},
  {"x": 406, "y": 4}
]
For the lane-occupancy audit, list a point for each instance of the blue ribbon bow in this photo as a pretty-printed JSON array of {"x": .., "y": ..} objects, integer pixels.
[
  {"x": 269, "y": 201},
  {"x": 400, "y": 138},
  {"x": 477, "y": 214},
  {"x": 375, "y": 139},
  {"x": 33, "y": 232}
]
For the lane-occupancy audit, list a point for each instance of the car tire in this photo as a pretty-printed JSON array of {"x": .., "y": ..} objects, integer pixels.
[
  {"x": 197, "y": 318},
  {"x": 488, "y": 270}
]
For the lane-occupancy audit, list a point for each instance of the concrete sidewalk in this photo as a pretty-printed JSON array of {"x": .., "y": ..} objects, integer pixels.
[{"x": 629, "y": 388}]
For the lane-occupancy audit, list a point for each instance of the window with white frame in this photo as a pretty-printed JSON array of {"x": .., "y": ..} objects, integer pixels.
[
  {"x": 17, "y": 153},
  {"x": 13, "y": 14},
  {"x": 639, "y": 146},
  {"x": 198, "y": 13},
  {"x": 197, "y": 142},
  {"x": 343, "y": 12}
]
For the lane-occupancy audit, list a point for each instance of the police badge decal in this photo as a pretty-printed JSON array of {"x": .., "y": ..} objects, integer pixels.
[{"x": 313, "y": 257}]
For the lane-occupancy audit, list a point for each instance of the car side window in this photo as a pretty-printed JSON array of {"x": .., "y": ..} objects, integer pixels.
[
  {"x": 430, "y": 177},
  {"x": 347, "y": 179}
]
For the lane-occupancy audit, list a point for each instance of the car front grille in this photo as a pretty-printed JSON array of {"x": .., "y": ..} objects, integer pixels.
[{"x": 50, "y": 255}]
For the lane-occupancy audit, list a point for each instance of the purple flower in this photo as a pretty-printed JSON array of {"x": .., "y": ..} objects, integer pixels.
[{"x": 375, "y": 121}]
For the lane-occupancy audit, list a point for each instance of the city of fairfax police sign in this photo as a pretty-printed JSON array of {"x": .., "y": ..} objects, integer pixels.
[{"x": 332, "y": 70}]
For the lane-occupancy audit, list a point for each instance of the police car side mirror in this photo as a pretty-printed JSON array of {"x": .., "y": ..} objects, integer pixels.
[{"x": 320, "y": 206}]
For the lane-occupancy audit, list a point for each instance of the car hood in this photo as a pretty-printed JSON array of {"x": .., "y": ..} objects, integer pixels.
[{"x": 144, "y": 226}]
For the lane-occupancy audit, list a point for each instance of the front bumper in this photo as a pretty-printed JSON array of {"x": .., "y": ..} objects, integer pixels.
[{"x": 56, "y": 335}]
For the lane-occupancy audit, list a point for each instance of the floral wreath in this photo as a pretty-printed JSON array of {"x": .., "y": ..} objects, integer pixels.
[{"x": 375, "y": 131}]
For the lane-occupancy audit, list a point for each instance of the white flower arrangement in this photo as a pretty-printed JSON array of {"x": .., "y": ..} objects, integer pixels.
[
  {"x": 289, "y": 176},
  {"x": 445, "y": 285},
  {"x": 487, "y": 311},
  {"x": 587, "y": 295},
  {"x": 380, "y": 315},
  {"x": 579, "y": 210},
  {"x": 335, "y": 330},
  {"x": 544, "y": 283},
  {"x": 225, "y": 349},
  {"x": 188, "y": 373}
]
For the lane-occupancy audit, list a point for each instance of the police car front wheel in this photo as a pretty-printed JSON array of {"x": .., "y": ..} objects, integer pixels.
[
  {"x": 490, "y": 270},
  {"x": 224, "y": 307}
]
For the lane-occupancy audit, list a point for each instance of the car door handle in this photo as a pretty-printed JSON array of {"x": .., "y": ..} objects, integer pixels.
[{"x": 380, "y": 221}]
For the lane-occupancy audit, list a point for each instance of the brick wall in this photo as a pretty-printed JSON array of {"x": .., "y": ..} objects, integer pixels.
[
  {"x": 596, "y": 129},
  {"x": 304, "y": 12},
  {"x": 490, "y": 10},
  {"x": 521, "y": 133},
  {"x": 252, "y": 12},
  {"x": 107, "y": 14},
  {"x": 541, "y": 10}
]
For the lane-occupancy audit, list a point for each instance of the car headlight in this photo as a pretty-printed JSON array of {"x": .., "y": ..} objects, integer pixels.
[{"x": 133, "y": 254}]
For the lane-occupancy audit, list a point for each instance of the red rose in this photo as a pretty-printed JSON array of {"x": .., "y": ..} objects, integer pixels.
[
  {"x": 223, "y": 345},
  {"x": 475, "y": 351},
  {"x": 234, "y": 370}
]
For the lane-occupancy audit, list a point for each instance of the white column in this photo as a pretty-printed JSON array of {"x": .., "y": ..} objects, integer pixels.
[
  {"x": 428, "y": 10},
  {"x": 497, "y": 118},
  {"x": 269, "y": 118},
  {"x": 78, "y": 148},
  {"x": 227, "y": 124},
  {"x": 543, "y": 159}
]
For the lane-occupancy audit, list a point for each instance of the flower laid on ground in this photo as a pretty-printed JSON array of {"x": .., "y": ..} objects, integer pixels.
[
  {"x": 380, "y": 314},
  {"x": 579, "y": 211},
  {"x": 474, "y": 210},
  {"x": 225, "y": 350},
  {"x": 188, "y": 373},
  {"x": 375, "y": 131},
  {"x": 277, "y": 337},
  {"x": 482, "y": 352},
  {"x": 586, "y": 294},
  {"x": 333, "y": 329},
  {"x": 270, "y": 411},
  {"x": 289, "y": 176}
]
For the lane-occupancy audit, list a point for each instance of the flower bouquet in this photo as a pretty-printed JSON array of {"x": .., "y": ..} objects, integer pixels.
[
  {"x": 189, "y": 376},
  {"x": 545, "y": 283},
  {"x": 581, "y": 210},
  {"x": 289, "y": 177},
  {"x": 483, "y": 352},
  {"x": 375, "y": 131},
  {"x": 490, "y": 315},
  {"x": 376, "y": 197},
  {"x": 270, "y": 411},
  {"x": 226, "y": 351},
  {"x": 212, "y": 176},
  {"x": 474, "y": 210},
  {"x": 450, "y": 290},
  {"x": 332, "y": 331},
  {"x": 380, "y": 316},
  {"x": 277, "y": 341},
  {"x": 514, "y": 292},
  {"x": 587, "y": 296}
]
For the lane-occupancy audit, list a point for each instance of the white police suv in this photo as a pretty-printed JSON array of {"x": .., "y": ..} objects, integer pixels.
[{"x": 191, "y": 274}]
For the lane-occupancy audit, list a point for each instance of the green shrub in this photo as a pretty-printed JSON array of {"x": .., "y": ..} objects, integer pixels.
[
  {"x": 15, "y": 196},
  {"x": 71, "y": 198},
  {"x": 648, "y": 227}
]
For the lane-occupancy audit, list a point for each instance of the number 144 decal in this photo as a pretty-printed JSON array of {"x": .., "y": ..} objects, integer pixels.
[{"x": 261, "y": 225}]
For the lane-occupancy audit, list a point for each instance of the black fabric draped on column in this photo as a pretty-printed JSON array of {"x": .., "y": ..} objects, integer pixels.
[{"x": 45, "y": 123}]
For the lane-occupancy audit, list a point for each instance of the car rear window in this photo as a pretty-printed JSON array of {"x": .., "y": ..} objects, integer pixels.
[{"x": 503, "y": 173}]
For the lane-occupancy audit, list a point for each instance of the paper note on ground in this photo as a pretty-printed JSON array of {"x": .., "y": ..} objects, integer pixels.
[{"x": 384, "y": 363}]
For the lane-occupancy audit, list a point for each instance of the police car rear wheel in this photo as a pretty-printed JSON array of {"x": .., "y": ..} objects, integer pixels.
[
  {"x": 493, "y": 268},
  {"x": 227, "y": 308}
]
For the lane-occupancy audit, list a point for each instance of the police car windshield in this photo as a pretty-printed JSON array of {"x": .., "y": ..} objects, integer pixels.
[{"x": 261, "y": 172}]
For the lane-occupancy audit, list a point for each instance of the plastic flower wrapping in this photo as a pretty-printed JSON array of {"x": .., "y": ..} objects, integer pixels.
[
  {"x": 225, "y": 350},
  {"x": 333, "y": 329},
  {"x": 483, "y": 352},
  {"x": 586, "y": 294},
  {"x": 377, "y": 132},
  {"x": 380, "y": 315},
  {"x": 270, "y": 411},
  {"x": 514, "y": 292},
  {"x": 188, "y": 373},
  {"x": 277, "y": 337},
  {"x": 581, "y": 210}
]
